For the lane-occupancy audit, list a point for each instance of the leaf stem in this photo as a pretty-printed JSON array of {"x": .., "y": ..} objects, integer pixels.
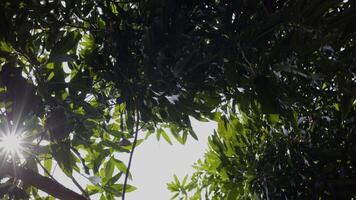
[{"x": 131, "y": 155}]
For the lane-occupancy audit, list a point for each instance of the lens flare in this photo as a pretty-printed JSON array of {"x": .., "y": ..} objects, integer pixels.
[{"x": 11, "y": 144}]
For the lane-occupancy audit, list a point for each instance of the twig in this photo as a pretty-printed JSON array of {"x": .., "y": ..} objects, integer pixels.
[
  {"x": 85, "y": 167},
  {"x": 44, "y": 169},
  {"x": 76, "y": 152},
  {"x": 131, "y": 155},
  {"x": 79, "y": 187},
  {"x": 246, "y": 60}
]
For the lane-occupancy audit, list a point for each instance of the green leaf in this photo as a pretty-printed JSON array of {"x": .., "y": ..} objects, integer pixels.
[
  {"x": 164, "y": 134},
  {"x": 116, "y": 133},
  {"x": 48, "y": 166},
  {"x": 173, "y": 187},
  {"x": 176, "y": 179},
  {"x": 93, "y": 189},
  {"x": 130, "y": 188},
  {"x": 192, "y": 133},
  {"x": 184, "y": 137},
  {"x": 109, "y": 168},
  {"x": 97, "y": 162},
  {"x": 174, "y": 196},
  {"x": 114, "y": 189},
  {"x": 50, "y": 76},
  {"x": 115, "y": 178},
  {"x": 184, "y": 180},
  {"x": 158, "y": 135},
  {"x": 5, "y": 47},
  {"x": 120, "y": 165}
]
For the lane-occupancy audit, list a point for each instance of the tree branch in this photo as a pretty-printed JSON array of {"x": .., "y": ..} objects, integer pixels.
[
  {"x": 131, "y": 155},
  {"x": 29, "y": 177}
]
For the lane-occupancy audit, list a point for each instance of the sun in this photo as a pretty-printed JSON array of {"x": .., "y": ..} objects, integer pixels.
[{"x": 11, "y": 144}]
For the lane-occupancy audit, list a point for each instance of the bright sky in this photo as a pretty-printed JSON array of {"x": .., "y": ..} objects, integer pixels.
[{"x": 155, "y": 162}]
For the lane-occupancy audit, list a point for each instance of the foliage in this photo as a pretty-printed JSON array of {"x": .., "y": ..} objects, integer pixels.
[
  {"x": 75, "y": 75},
  {"x": 289, "y": 129}
]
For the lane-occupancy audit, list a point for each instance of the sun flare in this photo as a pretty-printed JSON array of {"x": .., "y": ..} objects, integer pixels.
[{"x": 10, "y": 144}]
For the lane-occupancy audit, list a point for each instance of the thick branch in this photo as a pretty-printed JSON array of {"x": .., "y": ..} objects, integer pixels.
[{"x": 29, "y": 177}]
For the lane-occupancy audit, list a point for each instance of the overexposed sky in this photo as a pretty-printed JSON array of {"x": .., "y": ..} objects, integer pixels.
[{"x": 155, "y": 162}]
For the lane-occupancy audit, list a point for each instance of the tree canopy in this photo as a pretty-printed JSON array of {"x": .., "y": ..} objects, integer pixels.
[
  {"x": 79, "y": 80},
  {"x": 291, "y": 133}
]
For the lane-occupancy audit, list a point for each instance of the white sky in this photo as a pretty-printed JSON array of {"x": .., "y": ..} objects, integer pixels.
[{"x": 155, "y": 162}]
